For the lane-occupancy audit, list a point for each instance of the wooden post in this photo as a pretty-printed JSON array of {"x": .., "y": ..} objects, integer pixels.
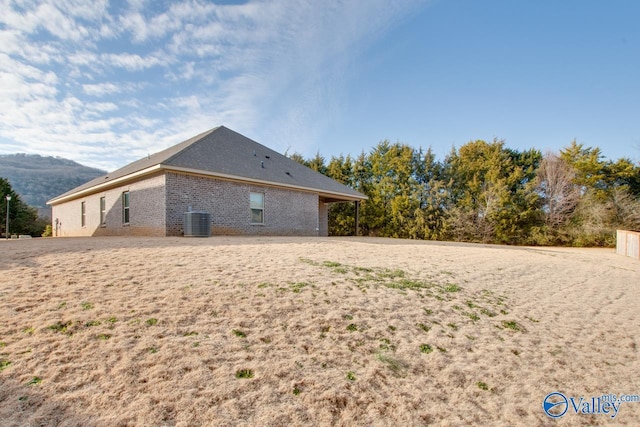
[{"x": 357, "y": 218}]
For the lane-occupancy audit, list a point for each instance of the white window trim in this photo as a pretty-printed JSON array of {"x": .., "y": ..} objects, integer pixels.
[
  {"x": 103, "y": 211},
  {"x": 126, "y": 208},
  {"x": 252, "y": 208},
  {"x": 83, "y": 214}
]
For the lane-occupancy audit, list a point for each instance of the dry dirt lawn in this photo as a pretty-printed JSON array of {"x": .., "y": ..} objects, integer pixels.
[{"x": 241, "y": 331}]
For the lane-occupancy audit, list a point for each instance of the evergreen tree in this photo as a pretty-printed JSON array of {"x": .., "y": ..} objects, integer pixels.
[{"x": 22, "y": 218}]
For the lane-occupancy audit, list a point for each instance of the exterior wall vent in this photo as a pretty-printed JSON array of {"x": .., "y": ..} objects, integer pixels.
[{"x": 197, "y": 224}]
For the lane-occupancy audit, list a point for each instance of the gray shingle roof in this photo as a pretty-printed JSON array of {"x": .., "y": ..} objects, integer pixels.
[{"x": 226, "y": 153}]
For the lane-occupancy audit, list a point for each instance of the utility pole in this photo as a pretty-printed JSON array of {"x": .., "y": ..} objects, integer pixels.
[{"x": 7, "y": 229}]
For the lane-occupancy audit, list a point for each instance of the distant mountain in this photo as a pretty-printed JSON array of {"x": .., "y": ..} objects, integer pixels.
[{"x": 38, "y": 179}]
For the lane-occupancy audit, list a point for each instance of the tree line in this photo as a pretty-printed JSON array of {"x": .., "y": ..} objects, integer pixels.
[
  {"x": 486, "y": 192},
  {"x": 23, "y": 219}
]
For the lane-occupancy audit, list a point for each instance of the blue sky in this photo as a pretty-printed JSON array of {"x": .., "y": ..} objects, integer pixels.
[{"x": 105, "y": 83}]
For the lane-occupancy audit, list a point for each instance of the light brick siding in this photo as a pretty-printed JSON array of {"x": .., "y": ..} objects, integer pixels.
[
  {"x": 147, "y": 207},
  {"x": 323, "y": 218},
  {"x": 158, "y": 203},
  {"x": 286, "y": 212}
]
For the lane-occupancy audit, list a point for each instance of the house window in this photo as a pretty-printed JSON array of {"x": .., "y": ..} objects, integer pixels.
[
  {"x": 257, "y": 208},
  {"x": 125, "y": 207},
  {"x": 83, "y": 214},
  {"x": 103, "y": 211}
]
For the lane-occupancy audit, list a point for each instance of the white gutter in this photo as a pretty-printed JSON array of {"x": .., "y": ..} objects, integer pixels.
[
  {"x": 156, "y": 168},
  {"x": 260, "y": 181},
  {"x": 105, "y": 185}
]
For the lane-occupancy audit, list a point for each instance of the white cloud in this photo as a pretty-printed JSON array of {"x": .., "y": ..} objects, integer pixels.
[
  {"x": 109, "y": 88},
  {"x": 130, "y": 62},
  {"x": 101, "y": 89},
  {"x": 272, "y": 69}
]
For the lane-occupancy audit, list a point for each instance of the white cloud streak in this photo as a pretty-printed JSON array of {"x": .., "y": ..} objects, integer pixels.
[{"x": 105, "y": 84}]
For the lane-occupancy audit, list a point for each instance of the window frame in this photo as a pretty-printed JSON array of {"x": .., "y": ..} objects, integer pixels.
[
  {"x": 256, "y": 208},
  {"x": 126, "y": 208},
  {"x": 103, "y": 211},
  {"x": 83, "y": 214}
]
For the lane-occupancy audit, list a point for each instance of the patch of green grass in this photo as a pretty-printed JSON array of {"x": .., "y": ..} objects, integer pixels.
[
  {"x": 392, "y": 328},
  {"x": 62, "y": 305},
  {"x": 428, "y": 311},
  {"x": 487, "y": 312},
  {"x": 244, "y": 373},
  {"x": 390, "y": 274},
  {"x": 190, "y": 334},
  {"x": 91, "y": 323},
  {"x": 4, "y": 364},
  {"x": 296, "y": 391},
  {"x": 470, "y": 304},
  {"x": 331, "y": 264},
  {"x": 297, "y": 287},
  {"x": 414, "y": 284},
  {"x": 112, "y": 320},
  {"x": 29, "y": 330},
  {"x": 505, "y": 312},
  {"x": 61, "y": 327},
  {"x": 196, "y": 344},
  {"x": 352, "y": 327},
  {"x": 441, "y": 349},
  {"x": 152, "y": 350},
  {"x": 426, "y": 348},
  {"x": 453, "y": 326},
  {"x": 385, "y": 344},
  {"x": 511, "y": 324},
  {"x": 397, "y": 366},
  {"x": 152, "y": 321},
  {"x": 532, "y": 319},
  {"x": 34, "y": 380},
  {"x": 3, "y": 344},
  {"x": 482, "y": 385},
  {"x": 239, "y": 333},
  {"x": 347, "y": 317},
  {"x": 473, "y": 316},
  {"x": 351, "y": 376},
  {"x": 86, "y": 305},
  {"x": 103, "y": 337},
  {"x": 451, "y": 287},
  {"x": 424, "y": 327}
]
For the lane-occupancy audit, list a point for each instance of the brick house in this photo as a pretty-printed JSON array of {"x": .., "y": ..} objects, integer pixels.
[{"x": 242, "y": 186}]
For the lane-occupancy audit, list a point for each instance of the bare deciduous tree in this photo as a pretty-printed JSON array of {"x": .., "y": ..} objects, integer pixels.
[{"x": 560, "y": 194}]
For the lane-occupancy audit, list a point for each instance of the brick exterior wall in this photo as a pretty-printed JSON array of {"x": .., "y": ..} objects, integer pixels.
[
  {"x": 146, "y": 215},
  {"x": 286, "y": 212},
  {"x": 158, "y": 203},
  {"x": 323, "y": 219}
]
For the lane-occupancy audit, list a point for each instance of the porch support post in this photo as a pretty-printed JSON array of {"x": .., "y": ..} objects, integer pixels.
[{"x": 357, "y": 218}]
